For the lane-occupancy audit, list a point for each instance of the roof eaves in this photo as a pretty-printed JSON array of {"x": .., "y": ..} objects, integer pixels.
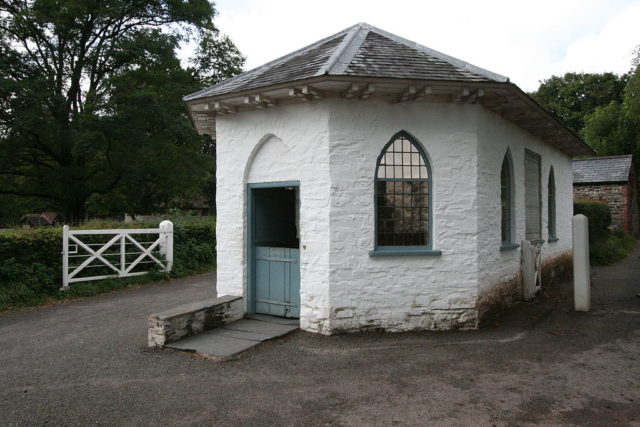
[
  {"x": 581, "y": 147},
  {"x": 619, "y": 156},
  {"x": 600, "y": 182}
]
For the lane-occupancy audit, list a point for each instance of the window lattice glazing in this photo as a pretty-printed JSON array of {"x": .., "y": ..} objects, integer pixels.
[
  {"x": 402, "y": 195},
  {"x": 505, "y": 198}
]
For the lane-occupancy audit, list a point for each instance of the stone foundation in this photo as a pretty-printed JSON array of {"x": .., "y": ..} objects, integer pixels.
[
  {"x": 500, "y": 297},
  {"x": 189, "y": 319},
  {"x": 418, "y": 319},
  {"x": 557, "y": 269},
  {"x": 506, "y": 293}
]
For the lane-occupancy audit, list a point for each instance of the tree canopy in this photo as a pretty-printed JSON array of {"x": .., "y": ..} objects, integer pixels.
[
  {"x": 614, "y": 128},
  {"x": 603, "y": 108},
  {"x": 575, "y": 95},
  {"x": 91, "y": 115}
]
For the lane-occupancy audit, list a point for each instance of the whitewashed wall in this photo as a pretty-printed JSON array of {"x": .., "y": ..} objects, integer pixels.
[
  {"x": 495, "y": 135},
  {"x": 282, "y": 144},
  {"x": 331, "y": 147},
  {"x": 403, "y": 292}
]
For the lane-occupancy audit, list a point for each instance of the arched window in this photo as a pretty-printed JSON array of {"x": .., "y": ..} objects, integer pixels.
[
  {"x": 506, "y": 202},
  {"x": 551, "y": 206},
  {"x": 403, "y": 195}
]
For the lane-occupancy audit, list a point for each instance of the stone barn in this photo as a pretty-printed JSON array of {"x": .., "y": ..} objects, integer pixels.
[
  {"x": 612, "y": 180},
  {"x": 369, "y": 182}
]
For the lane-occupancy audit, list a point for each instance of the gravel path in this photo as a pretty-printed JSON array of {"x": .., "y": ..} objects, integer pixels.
[{"x": 86, "y": 362}]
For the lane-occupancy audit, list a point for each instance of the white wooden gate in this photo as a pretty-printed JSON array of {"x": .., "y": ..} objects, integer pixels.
[
  {"x": 126, "y": 258},
  {"x": 531, "y": 269}
]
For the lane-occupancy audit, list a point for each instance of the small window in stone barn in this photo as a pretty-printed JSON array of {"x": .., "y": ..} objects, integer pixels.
[{"x": 403, "y": 187}]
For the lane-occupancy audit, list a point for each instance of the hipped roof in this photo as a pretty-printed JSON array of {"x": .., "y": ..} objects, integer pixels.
[
  {"x": 362, "y": 50},
  {"x": 365, "y": 52}
]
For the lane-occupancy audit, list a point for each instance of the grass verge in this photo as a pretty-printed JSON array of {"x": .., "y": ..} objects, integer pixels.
[
  {"x": 23, "y": 298},
  {"x": 31, "y": 268}
]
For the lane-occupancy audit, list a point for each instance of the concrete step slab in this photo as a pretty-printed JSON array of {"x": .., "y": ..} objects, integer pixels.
[
  {"x": 234, "y": 338},
  {"x": 214, "y": 343},
  {"x": 245, "y": 335}
]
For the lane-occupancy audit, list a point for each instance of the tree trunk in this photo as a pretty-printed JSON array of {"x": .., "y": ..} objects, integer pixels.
[{"x": 77, "y": 213}]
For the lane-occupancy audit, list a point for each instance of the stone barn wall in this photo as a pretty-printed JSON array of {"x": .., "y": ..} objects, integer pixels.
[{"x": 616, "y": 195}]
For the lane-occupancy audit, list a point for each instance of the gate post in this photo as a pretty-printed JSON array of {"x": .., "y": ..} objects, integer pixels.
[
  {"x": 581, "y": 269},
  {"x": 65, "y": 258},
  {"x": 166, "y": 245}
]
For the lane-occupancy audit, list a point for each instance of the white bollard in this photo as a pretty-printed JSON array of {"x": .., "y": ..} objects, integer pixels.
[
  {"x": 166, "y": 244},
  {"x": 581, "y": 269}
]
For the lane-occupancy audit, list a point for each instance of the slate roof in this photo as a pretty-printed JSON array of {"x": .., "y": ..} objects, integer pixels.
[
  {"x": 602, "y": 169},
  {"x": 358, "y": 51}
]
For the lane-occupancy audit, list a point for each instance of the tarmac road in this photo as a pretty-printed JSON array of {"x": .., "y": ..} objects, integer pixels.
[{"x": 86, "y": 362}]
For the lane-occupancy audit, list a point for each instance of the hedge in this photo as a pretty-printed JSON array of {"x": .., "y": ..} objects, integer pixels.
[
  {"x": 31, "y": 261},
  {"x": 599, "y": 216},
  {"x": 605, "y": 247}
]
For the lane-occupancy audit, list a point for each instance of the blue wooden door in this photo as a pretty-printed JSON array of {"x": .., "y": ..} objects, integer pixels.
[
  {"x": 277, "y": 281},
  {"x": 275, "y": 263}
]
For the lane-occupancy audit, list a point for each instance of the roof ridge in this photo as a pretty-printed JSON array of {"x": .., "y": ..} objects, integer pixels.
[
  {"x": 343, "y": 55},
  {"x": 271, "y": 63},
  {"x": 443, "y": 56}
]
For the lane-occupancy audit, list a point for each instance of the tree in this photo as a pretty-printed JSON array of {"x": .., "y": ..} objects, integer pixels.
[
  {"x": 615, "y": 128},
  {"x": 575, "y": 95},
  {"x": 608, "y": 132},
  {"x": 90, "y": 101}
]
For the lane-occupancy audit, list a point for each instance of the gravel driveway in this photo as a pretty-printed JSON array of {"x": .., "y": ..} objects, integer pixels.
[{"x": 86, "y": 362}]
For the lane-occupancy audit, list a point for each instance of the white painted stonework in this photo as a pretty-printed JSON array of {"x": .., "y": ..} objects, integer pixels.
[
  {"x": 331, "y": 147},
  {"x": 494, "y": 137}
]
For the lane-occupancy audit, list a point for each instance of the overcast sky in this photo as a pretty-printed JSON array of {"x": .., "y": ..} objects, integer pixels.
[{"x": 526, "y": 41}]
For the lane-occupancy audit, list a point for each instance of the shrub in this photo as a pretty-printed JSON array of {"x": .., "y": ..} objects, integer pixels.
[
  {"x": 31, "y": 261},
  {"x": 615, "y": 247},
  {"x": 599, "y": 216},
  {"x": 30, "y": 282},
  {"x": 605, "y": 247}
]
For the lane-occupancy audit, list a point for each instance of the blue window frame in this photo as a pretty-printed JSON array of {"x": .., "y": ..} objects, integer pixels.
[
  {"x": 506, "y": 204},
  {"x": 403, "y": 199}
]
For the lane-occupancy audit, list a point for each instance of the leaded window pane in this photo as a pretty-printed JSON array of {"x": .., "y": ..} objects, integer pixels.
[{"x": 402, "y": 196}]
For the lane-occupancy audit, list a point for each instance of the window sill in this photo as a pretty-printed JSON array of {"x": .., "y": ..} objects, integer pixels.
[
  {"x": 403, "y": 251},
  {"x": 552, "y": 239},
  {"x": 508, "y": 246}
]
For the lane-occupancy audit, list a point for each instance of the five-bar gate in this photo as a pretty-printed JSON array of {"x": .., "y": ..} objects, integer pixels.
[{"x": 118, "y": 253}]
